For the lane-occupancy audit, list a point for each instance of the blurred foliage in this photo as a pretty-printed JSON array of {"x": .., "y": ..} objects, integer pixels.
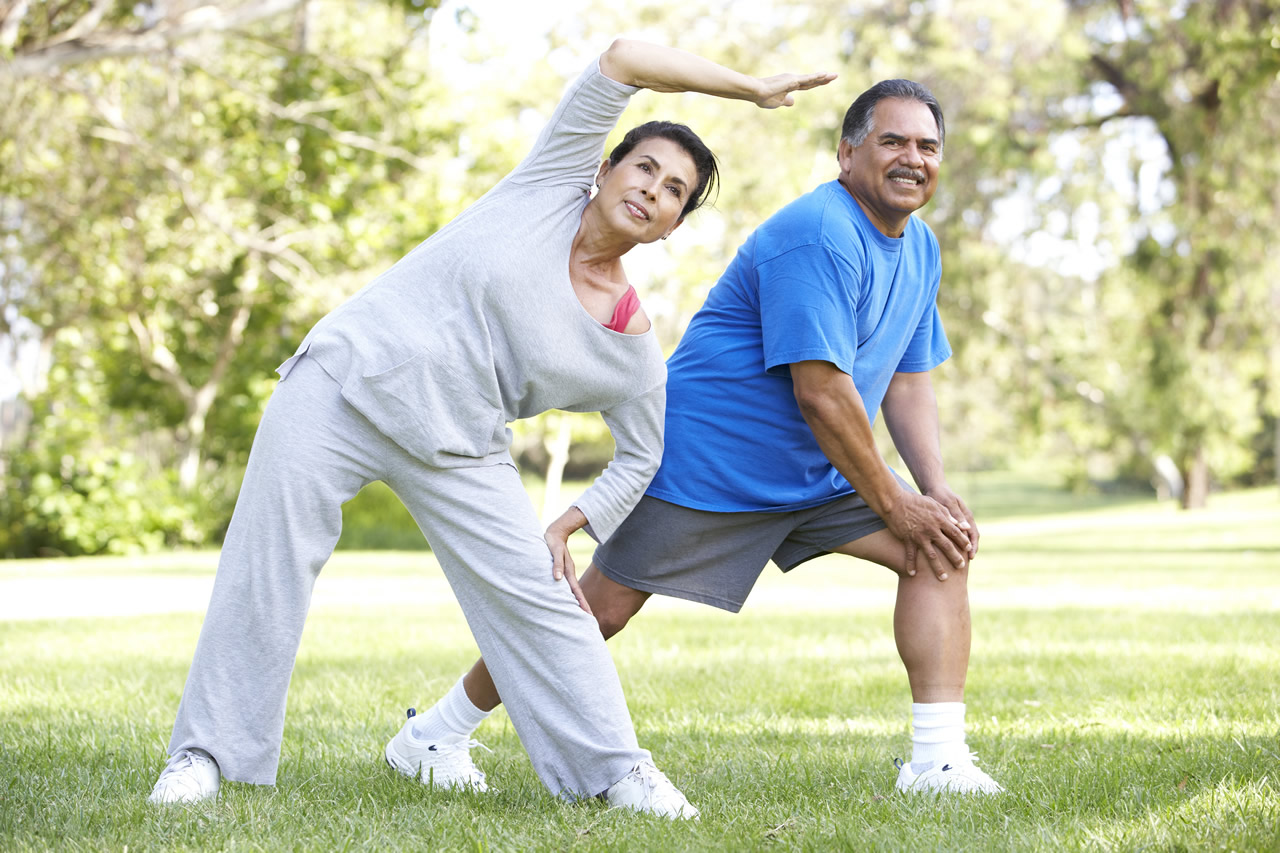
[
  {"x": 376, "y": 520},
  {"x": 84, "y": 492},
  {"x": 173, "y": 220}
]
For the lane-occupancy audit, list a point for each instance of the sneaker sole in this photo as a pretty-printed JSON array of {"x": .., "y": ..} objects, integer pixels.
[{"x": 945, "y": 790}]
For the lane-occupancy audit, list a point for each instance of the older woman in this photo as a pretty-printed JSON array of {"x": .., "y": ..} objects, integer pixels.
[{"x": 517, "y": 306}]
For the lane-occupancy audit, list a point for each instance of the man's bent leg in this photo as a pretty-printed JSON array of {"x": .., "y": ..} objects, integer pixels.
[
  {"x": 930, "y": 620},
  {"x": 932, "y": 630}
]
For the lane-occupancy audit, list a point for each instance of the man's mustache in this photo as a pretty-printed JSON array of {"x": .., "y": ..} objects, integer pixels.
[{"x": 918, "y": 177}]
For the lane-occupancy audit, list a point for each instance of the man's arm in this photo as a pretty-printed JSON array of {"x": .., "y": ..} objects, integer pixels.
[
  {"x": 833, "y": 409},
  {"x": 911, "y": 413}
]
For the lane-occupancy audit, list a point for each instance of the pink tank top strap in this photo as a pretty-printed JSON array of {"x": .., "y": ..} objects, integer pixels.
[{"x": 627, "y": 306}]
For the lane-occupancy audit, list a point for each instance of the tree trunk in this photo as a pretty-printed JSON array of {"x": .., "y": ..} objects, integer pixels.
[
  {"x": 557, "y": 440},
  {"x": 194, "y": 427},
  {"x": 1196, "y": 493},
  {"x": 189, "y": 468}
]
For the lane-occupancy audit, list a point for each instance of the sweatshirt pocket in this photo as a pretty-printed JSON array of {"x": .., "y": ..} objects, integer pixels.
[{"x": 431, "y": 409}]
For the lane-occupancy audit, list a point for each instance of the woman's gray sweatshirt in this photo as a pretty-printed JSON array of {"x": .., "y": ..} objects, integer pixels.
[{"x": 479, "y": 325}]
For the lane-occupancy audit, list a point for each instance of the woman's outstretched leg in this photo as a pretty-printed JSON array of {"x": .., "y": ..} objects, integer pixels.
[{"x": 308, "y": 458}]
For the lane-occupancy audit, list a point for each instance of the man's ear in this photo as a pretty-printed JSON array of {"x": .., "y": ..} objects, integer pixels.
[{"x": 844, "y": 154}]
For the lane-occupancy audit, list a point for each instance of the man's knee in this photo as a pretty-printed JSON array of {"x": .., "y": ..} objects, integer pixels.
[
  {"x": 612, "y": 603},
  {"x": 611, "y": 620}
]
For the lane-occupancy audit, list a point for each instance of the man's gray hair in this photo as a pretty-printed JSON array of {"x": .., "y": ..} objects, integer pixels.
[{"x": 859, "y": 119}]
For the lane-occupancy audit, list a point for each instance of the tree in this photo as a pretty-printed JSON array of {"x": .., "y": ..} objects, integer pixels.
[
  {"x": 41, "y": 39},
  {"x": 1205, "y": 77},
  {"x": 189, "y": 209}
]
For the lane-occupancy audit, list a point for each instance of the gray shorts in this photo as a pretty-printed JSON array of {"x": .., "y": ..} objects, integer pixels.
[{"x": 715, "y": 557}]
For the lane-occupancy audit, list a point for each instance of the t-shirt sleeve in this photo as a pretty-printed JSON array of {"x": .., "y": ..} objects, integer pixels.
[
  {"x": 928, "y": 346},
  {"x": 571, "y": 146},
  {"x": 808, "y": 308}
]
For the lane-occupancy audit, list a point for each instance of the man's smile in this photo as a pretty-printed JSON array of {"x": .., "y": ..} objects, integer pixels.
[{"x": 906, "y": 176}]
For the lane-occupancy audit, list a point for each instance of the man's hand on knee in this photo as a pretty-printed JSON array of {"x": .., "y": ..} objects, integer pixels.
[
  {"x": 928, "y": 528},
  {"x": 960, "y": 511}
]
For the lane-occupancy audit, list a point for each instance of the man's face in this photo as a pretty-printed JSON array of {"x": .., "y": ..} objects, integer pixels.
[{"x": 895, "y": 170}]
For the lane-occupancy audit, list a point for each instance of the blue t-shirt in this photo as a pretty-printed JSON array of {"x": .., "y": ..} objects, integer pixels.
[{"x": 816, "y": 281}]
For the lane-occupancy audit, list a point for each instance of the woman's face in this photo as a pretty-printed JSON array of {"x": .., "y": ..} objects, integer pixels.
[{"x": 643, "y": 195}]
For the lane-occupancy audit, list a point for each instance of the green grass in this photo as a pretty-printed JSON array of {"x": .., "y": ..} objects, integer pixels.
[{"x": 1125, "y": 687}]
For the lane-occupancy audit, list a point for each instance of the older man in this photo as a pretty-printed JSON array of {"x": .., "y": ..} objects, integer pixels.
[{"x": 827, "y": 315}]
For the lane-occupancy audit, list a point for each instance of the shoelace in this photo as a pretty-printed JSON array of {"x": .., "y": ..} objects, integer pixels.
[
  {"x": 658, "y": 789},
  {"x": 173, "y": 780},
  {"x": 463, "y": 746},
  {"x": 184, "y": 759},
  {"x": 460, "y": 752}
]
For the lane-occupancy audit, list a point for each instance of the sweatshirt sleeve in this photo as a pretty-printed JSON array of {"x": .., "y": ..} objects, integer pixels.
[
  {"x": 571, "y": 146},
  {"x": 637, "y": 435}
]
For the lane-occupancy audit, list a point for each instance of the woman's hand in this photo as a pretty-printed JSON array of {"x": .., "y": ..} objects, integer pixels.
[
  {"x": 776, "y": 91},
  {"x": 557, "y": 539},
  {"x": 666, "y": 69}
]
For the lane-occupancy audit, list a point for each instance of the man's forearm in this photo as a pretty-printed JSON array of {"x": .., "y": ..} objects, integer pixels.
[
  {"x": 833, "y": 408},
  {"x": 838, "y": 419},
  {"x": 910, "y": 411}
]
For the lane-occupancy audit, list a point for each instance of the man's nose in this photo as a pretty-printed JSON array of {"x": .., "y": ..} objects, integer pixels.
[{"x": 911, "y": 154}]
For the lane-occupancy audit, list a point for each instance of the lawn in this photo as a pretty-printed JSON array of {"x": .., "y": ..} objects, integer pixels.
[{"x": 1125, "y": 688}]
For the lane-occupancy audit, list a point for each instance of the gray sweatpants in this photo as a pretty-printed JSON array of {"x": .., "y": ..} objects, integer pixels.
[{"x": 312, "y": 453}]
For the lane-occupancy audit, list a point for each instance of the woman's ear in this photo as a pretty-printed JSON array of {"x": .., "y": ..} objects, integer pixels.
[{"x": 602, "y": 171}]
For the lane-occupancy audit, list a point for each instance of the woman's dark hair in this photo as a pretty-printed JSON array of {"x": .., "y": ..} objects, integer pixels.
[{"x": 703, "y": 160}]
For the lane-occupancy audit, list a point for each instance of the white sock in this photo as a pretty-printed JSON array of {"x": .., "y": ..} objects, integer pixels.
[
  {"x": 455, "y": 714},
  {"x": 937, "y": 733}
]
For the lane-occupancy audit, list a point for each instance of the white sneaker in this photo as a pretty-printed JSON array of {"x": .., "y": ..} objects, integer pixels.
[
  {"x": 443, "y": 762},
  {"x": 647, "y": 789},
  {"x": 957, "y": 776},
  {"x": 190, "y": 776}
]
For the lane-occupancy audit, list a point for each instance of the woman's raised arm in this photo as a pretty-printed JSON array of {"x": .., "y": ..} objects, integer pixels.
[{"x": 666, "y": 69}]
